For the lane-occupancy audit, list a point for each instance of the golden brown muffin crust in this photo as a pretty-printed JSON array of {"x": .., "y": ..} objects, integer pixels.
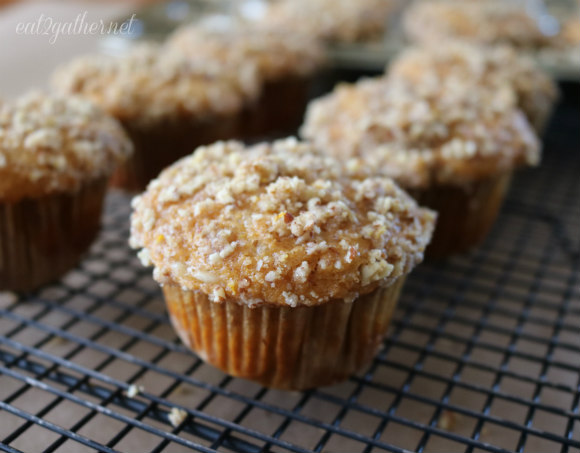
[
  {"x": 54, "y": 144},
  {"x": 434, "y": 132},
  {"x": 276, "y": 53},
  {"x": 151, "y": 83},
  {"x": 278, "y": 224}
]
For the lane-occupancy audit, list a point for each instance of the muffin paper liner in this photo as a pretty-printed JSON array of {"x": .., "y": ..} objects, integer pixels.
[
  {"x": 284, "y": 347},
  {"x": 539, "y": 117},
  {"x": 279, "y": 110},
  {"x": 159, "y": 145},
  {"x": 41, "y": 239},
  {"x": 466, "y": 213}
]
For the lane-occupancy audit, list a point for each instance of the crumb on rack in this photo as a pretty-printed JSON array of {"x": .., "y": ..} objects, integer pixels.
[
  {"x": 58, "y": 341},
  {"x": 447, "y": 420},
  {"x": 134, "y": 390},
  {"x": 177, "y": 416}
]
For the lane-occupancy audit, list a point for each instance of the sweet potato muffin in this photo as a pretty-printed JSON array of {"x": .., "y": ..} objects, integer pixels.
[
  {"x": 335, "y": 21},
  {"x": 477, "y": 21},
  {"x": 451, "y": 145},
  {"x": 570, "y": 33},
  {"x": 495, "y": 66},
  {"x": 286, "y": 63},
  {"x": 168, "y": 104},
  {"x": 277, "y": 265},
  {"x": 56, "y": 156}
]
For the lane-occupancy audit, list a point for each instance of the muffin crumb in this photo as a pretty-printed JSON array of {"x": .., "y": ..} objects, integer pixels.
[
  {"x": 134, "y": 390},
  {"x": 176, "y": 416}
]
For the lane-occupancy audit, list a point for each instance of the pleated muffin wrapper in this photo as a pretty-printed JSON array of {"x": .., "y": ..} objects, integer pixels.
[
  {"x": 466, "y": 213},
  {"x": 279, "y": 110},
  {"x": 159, "y": 144},
  {"x": 42, "y": 238},
  {"x": 289, "y": 348},
  {"x": 540, "y": 116}
]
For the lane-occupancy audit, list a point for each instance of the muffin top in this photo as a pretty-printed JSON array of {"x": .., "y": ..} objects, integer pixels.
[
  {"x": 277, "y": 224},
  {"x": 51, "y": 144},
  {"x": 492, "y": 66},
  {"x": 151, "y": 84},
  {"x": 441, "y": 132},
  {"x": 332, "y": 20},
  {"x": 276, "y": 53},
  {"x": 482, "y": 21}
]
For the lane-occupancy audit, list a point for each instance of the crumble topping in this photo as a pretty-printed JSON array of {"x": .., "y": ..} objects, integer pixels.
[
  {"x": 151, "y": 83},
  {"x": 490, "y": 66},
  {"x": 51, "y": 143},
  {"x": 276, "y": 53},
  {"x": 331, "y": 20},
  {"x": 482, "y": 21},
  {"x": 278, "y": 224},
  {"x": 438, "y": 131}
]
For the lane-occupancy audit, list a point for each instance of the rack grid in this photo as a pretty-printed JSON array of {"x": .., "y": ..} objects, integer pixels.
[{"x": 483, "y": 353}]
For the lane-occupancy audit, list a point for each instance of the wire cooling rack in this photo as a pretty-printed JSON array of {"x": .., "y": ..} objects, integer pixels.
[{"x": 483, "y": 353}]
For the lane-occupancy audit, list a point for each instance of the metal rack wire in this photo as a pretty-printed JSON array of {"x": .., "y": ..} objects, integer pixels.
[{"x": 483, "y": 354}]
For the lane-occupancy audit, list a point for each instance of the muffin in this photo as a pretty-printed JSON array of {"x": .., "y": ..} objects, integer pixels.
[
  {"x": 56, "y": 156},
  {"x": 481, "y": 21},
  {"x": 570, "y": 34},
  {"x": 167, "y": 103},
  {"x": 452, "y": 145},
  {"x": 277, "y": 265},
  {"x": 286, "y": 63},
  {"x": 334, "y": 21},
  {"x": 496, "y": 66}
]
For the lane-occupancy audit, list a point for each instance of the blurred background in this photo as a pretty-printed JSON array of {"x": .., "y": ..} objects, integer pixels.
[{"x": 27, "y": 59}]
